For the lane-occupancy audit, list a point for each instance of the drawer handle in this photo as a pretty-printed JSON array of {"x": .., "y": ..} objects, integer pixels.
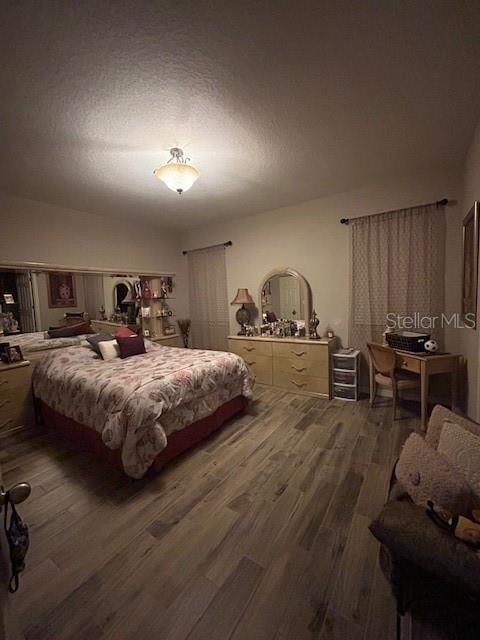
[
  {"x": 250, "y": 363},
  {"x": 4, "y": 403},
  {"x": 298, "y": 368},
  {"x": 6, "y": 423},
  {"x": 249, "y": 348},
  {"x": 296, "y": 353},
  {"x": 298, "y": 384}
]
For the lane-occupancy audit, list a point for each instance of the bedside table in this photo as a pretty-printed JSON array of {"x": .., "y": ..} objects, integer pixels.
[
  {"x": 16, "y": 401},
  {"x": 173, "y": 340}
]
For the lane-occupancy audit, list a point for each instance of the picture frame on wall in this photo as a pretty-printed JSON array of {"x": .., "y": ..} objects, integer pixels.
[
  {"x": 61, "y": 290},
  {"x": 470, "y": 265}
]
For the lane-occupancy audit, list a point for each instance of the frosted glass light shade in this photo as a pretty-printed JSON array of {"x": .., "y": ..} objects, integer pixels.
[{"x": 177, "y": 176}]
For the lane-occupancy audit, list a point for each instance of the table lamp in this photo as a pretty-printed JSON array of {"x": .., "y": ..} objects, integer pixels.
[{"x": 243, "y": 314}]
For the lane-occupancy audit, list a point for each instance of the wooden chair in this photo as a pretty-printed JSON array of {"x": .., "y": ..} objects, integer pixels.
[{"x": 383, "y": 373}]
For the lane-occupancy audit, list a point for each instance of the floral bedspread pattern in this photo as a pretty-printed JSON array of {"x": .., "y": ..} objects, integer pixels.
[
  {"x": 134, "y": 403},
  {"x": 36, "y": 341}
]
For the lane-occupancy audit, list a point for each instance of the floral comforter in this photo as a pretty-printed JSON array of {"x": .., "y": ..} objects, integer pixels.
[
  {"x": 36, "y": 341},
  {"x": 135, "y": 403}
]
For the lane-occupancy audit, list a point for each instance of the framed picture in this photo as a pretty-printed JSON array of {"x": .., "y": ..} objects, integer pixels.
[
  {"x": 12, "y": 354},
  {"x": 61, "y": 290},
  {"x": 470, "y": 264},
  {"x": 8, "y": 298}
]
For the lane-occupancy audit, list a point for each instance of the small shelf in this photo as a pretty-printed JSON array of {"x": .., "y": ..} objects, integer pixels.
[{"x": 154, "y": 323}]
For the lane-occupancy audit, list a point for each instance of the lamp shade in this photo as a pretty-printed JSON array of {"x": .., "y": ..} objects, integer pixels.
[
  {"x": 129, "y": 299},
  {"x": 242, "y": 297},
  {"x": 177, "y": 176}
]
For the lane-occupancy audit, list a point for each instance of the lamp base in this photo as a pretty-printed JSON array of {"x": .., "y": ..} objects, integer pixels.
[{"x": 243, "y": 317}]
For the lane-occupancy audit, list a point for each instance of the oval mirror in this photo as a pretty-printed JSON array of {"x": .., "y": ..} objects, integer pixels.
[{"x": 284, "y": 293}]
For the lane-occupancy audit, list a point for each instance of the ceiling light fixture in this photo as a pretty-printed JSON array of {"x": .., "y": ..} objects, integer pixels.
[{"x": 177, "y": 173}]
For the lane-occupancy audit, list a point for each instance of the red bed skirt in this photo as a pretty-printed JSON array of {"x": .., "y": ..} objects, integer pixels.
[{"x": 87, "y": 439}]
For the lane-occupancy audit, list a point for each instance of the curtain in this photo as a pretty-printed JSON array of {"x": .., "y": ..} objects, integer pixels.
[
  {"x": 25, "y": 302},
  {"x": 398, "y": 267},
  {"x": 207, "y": 276}
]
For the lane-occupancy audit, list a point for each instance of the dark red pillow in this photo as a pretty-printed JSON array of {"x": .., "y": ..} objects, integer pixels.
[
  {"x": 132, "y": 346},
  {"x": 81, "y": 328},
  {"x": 124, "y": 332}
]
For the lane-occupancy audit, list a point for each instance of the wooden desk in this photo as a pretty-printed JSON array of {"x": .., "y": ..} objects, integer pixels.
[{"x": 426, "y": 366}]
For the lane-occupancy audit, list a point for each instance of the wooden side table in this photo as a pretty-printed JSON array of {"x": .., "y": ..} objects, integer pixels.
[
  {"x": 173, "y": 340},
  {"x": 426, "y": 366}
]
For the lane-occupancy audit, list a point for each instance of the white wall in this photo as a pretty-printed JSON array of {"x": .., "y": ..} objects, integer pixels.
[
  {"x": 469, "y": 341},
  {"x": 32, "y": 231},
  {"x": 308, "y": 237}
]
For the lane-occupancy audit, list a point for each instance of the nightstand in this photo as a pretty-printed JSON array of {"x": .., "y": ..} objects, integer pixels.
[
  {"x": 173, "y": 340},
  {"x": 16, "y": 402}
]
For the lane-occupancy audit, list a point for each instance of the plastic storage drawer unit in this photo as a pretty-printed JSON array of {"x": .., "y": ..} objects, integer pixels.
[
  {"x": 342, "y": 362},
  {"x": 344, "y": 377},
  {"x": 344, "y": 391}
]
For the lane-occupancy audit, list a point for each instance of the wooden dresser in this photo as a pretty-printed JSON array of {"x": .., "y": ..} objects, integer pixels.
[
  {"x": 16, "y": 405},
  {"x": 296, "y": 364}
]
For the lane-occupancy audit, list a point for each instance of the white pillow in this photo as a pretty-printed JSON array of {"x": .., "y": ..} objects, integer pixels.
[
  {"x": 109, "y": 349},
  {"x": 462, "y": 449}
]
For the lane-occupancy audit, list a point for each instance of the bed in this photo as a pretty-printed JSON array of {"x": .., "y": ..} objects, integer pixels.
[{"x": 144, "y": 410}]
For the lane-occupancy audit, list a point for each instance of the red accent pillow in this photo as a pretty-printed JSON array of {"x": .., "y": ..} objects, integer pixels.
[
  {"x": 132, "y": 346},
  {"x": 124, "y": 332},
  {"x": 81, "y": 328}
]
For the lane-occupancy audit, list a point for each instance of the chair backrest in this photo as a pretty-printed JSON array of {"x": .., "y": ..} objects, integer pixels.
[{"x": 382, "y": 358}]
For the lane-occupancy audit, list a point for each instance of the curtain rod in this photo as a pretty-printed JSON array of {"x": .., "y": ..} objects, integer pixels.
[
  {"x": 220, "y": 244},
  {"x": 438, "y": 203}
]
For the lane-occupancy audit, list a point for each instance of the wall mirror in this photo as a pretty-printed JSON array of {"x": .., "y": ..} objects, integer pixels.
[
  {"x": 284, "y": 293},
  {"x": 34, "y": 299}
]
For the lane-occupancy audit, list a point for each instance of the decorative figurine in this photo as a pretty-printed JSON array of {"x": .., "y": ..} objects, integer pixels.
[
  {"x": 103, "y": 315},
  {"x": 312, "y": 326},
  {"x": 147, "y": 294}
]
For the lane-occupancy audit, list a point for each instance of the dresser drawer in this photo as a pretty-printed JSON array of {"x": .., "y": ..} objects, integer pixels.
[
  {"x": 16, "y": 408},
  {"x": 318, "y": 368},
  {"x": 301, "y": 352},
  {"x": 260, "y": 366},
  {"x": 16, "y": 377},
  {"x": 304, "y": 383},
  {"x": 407, "y": 364},
  {"x": 250, "y": 347}
]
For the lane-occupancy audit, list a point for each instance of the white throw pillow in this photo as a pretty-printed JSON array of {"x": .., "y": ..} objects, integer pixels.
[
  {"x": 109, "y": 349},
  {"x": 462, "y": 449}
]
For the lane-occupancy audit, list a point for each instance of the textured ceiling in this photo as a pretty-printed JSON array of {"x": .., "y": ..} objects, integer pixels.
[{"x": 276, "y": 102}]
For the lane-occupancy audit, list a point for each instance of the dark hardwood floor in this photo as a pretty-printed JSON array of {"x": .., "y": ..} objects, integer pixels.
[{"x": 259, "y": 533}]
